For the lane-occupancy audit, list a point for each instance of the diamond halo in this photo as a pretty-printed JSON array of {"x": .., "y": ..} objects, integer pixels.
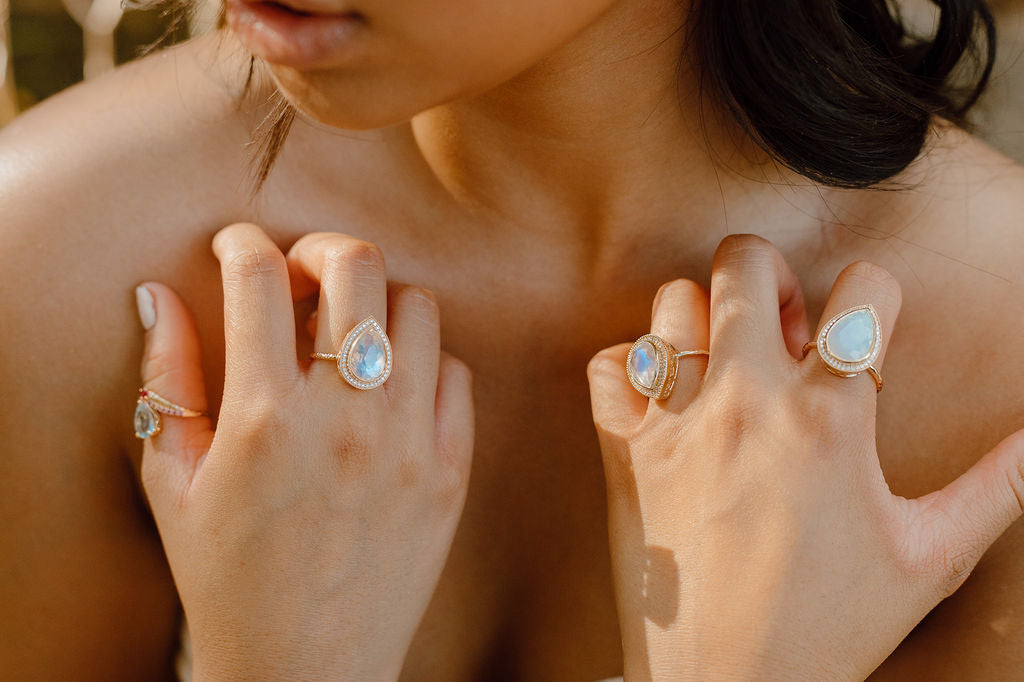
[
  {"x": 379, "y": 342},
  {"x": 834, "y": 358},
  {"x": 665, "y": 375}
]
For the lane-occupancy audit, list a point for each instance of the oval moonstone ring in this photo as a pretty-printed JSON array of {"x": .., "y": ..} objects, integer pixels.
[
  {"x": 364, "y": 360},
  {"x": 651, "y": 365},
  {"x": 850, "y": 342}
]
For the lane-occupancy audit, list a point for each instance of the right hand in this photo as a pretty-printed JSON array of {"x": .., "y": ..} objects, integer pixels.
[{"x": 307, "y": 533}]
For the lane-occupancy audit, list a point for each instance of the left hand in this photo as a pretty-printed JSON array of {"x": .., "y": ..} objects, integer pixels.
[{"x": 753, "y": 534}]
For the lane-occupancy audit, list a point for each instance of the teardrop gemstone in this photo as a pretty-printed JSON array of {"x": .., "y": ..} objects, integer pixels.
[
  {"x": 146, "y": 421},
  {"x": 644, "y": 364},
  {"x": 852, "y": 337},
  {"x": 367, "y": 358}
]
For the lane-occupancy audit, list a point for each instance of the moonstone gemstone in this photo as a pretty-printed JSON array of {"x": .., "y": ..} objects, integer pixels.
[
  {"x": 644, "y": 364},
  {"x": 852, "y": 336},
  {"x": 367, "y": 359},
  {"x": 145, "y": 421}
]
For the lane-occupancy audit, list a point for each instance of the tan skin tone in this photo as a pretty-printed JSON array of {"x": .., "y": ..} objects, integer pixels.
[{"x": 529, "y": 291}]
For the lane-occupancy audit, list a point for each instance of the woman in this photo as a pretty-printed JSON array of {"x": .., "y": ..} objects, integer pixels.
[{"x": 553, "y": 174}]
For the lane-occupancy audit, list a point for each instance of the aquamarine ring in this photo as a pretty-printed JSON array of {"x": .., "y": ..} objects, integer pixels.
[
  {"x": 364, "y": 360},
  {"x": 148, "y": 409},
  {"x": 850, "y": 342},
  {"x": 652, "y": 365}
]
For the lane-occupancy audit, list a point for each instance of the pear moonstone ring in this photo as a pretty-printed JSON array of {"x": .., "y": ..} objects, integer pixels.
[
  {"x": 149, "y": 408},
  {"x": 850, "y": 342},
  {"x": 652, "y": 364},
  {"x": 364, "y": 360}
]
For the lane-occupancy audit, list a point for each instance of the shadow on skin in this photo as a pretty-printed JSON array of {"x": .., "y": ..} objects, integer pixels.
[{"x": 657, "y": 587}]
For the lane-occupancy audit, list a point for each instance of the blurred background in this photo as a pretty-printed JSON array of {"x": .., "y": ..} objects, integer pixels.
[{"x": 48, "y": 45}]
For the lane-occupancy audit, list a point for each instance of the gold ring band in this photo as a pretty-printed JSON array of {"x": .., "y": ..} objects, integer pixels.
[
  {"x": 148, "y": 409},
  {"x": 849, "y": 343},
  {"x": 652, "y": 365}
]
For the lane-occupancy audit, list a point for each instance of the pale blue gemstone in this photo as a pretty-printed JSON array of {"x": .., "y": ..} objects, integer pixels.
[
  {"x": 851, "y": 338},
  {"x": 367, "y": 359},
  {"x": 145, "y": 421},
  {"x": 644, "y": 364}
]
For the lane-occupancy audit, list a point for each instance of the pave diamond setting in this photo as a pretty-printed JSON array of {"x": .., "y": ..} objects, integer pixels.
[
  {"x": 365, "y": 358},
  {"x": 650, "y": 366},
  {"x": 850, "y": 342}
]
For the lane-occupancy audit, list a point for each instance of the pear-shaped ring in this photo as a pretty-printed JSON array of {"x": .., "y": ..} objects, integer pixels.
[
  {"x": 148, "y": 409},
  {"x": 364, "y": 360},
  {"x": 652, "y": 364},
  {"x": 850, "y": 342}
]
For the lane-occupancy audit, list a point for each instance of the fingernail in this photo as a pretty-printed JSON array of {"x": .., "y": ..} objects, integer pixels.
[{"x": 147, "y": 310}]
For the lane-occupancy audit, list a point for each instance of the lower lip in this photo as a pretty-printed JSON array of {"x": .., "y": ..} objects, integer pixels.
[{"x": 290, "y": 39}]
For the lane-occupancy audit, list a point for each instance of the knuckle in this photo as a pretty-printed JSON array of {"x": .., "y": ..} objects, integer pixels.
[
  {"x": 234, "y": 234},
  {"x": 352, "y": 446},
  {"x": 878, "y": 279},
  {"x": 744, "y": 247},
  {"x": 456, "y": 370},
  {"x": 736, "y": 309},
  {"x": 822, "y": 410},
  {"x": 739, "y": 408},
  {"x": 419, "y": 302},
  {"x": 161, "y": 369},
  {"x": 253, "y": 264},
  {"x": 609, "y": 361},
  {"x": 451, "y": 484},
  {"x": 355, "y": 253},
  {"x": 255, "y": 416},
  {"x": 681, "y": 291}
]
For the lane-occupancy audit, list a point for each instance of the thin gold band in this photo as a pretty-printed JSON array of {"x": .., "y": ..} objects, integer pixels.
[
  {"x": 323, "y": 356},
  {"x": 870, "y": 370},
  {"x": 686, "y": 353},
  {"x": 165, "y": 406}
]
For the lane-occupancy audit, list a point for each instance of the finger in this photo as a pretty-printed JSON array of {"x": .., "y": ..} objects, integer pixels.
[
  {"x": 858, "y": 284},
  {"x": 414, "y": 328},
  {"x": 259, "y": 322},
  {"x": 618, "y": 408},
  {"x": 353, "y": 284},
  {"x": 453, "y": 412},
  {"x": 963, "y": 519},
  {"x": 754, "y": 297},
  {"x": 171, "y": 368},
  {"x": 682, "y": 316}
]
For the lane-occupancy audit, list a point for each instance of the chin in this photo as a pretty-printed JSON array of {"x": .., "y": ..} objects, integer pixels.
[{"x": 354, "y": 102}]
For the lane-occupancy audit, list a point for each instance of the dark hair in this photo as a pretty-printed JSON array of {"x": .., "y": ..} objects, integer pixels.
[{"x": 839, "y": 91}]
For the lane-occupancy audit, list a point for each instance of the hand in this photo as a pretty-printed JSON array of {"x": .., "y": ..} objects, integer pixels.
[
  {"x": 753, "y": 534},
  {"x": 306, "y": 535}
]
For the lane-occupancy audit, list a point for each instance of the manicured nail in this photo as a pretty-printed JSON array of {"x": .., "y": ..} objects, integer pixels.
[{"x": 147, "y": 310}]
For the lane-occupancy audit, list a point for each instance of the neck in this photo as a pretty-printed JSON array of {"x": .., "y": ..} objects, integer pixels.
[{"x": 599, "y": 138}]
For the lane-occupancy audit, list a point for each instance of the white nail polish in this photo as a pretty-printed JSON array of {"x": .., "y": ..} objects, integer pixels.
[{"x": 147, "y": 310}]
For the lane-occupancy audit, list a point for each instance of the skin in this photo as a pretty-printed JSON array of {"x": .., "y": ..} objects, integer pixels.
[
  {"x": 753, "y": 535},
  {"x": 528, "y": 292},
  {"x": 298, "y": 552}
]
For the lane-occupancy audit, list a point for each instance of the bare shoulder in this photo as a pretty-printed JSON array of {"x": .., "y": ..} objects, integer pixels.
[
  {"x": 157, "y": 123},
  {"x": 955, "y": 378},
  {"x": 94, "y": 186},
  {"x": 103, "y": 185}
]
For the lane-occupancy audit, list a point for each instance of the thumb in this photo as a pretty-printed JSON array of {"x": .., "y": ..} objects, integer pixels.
[
  {"x": 172, "y": 375},
  {"x": 970, "y": 513}
]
